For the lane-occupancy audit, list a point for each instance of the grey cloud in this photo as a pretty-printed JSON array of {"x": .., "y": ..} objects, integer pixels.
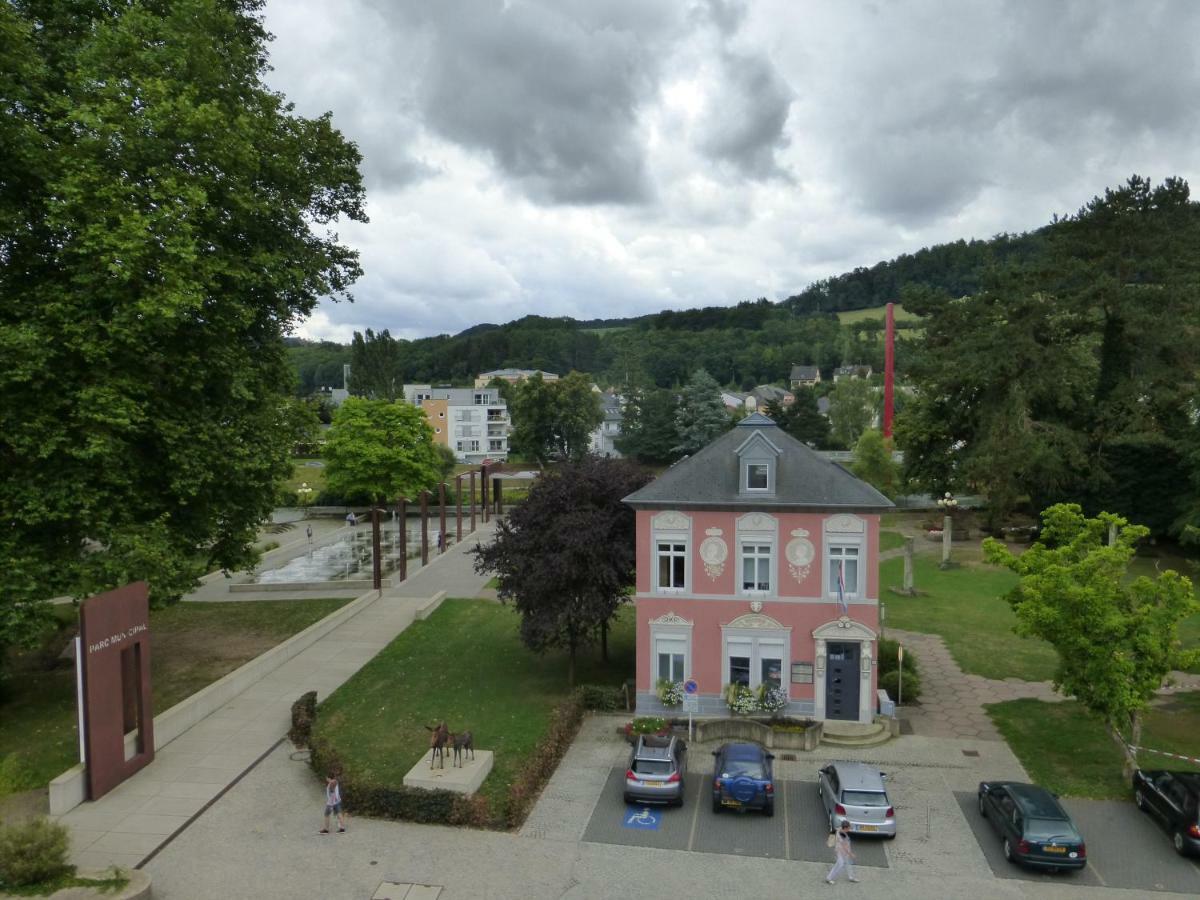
[
  {"x": 746, "y": 126},
  {"x": 552, "y": 92}
]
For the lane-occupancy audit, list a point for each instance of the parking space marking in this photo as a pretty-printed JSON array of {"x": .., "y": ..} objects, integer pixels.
[
  {"x": 696, "y": 812},
  {"x": 643, "y": 817},
  {"x": 993, "y": 851}
]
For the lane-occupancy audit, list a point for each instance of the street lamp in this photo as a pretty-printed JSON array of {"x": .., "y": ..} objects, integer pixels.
[
  {"x": 948, "y": 503},
  {"x": 304, "y": 493}
]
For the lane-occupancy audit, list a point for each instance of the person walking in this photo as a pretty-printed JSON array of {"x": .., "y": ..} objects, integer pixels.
[
  {"x": 333, "y": 803},
  {"x": 308, "y": 531},
  {"x": 841, "y": 845},
  {"x": 351, "y": 519}
]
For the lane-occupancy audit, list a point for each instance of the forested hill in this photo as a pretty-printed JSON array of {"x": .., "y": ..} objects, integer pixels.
[
  {"x": 753, "y": 342},
  {"x": 955, "y": 268}
]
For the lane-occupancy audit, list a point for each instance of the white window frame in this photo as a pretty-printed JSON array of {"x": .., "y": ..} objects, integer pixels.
[
  {"x": 763, "y": 643},
  {"x": 843, "y": 545},
  {"x": 766, "y": 467},
  {"x": 672, "y": 553},
  {"x": 672, "y": 634},
  {"x": 756, "y": 553},
  {"x": 758, "y": 530},
  {"x": 672, "y": 528}
]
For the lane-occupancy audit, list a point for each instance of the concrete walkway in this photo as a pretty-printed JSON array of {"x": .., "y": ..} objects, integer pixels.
[{"x": 193, "y": 771}]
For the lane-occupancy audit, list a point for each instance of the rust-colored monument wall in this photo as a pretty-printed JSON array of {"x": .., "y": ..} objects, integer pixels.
[{"x": 114, "y": 632}]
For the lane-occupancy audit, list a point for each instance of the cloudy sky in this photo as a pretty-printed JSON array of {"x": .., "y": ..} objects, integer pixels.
[{"x": 606, "y": 158}]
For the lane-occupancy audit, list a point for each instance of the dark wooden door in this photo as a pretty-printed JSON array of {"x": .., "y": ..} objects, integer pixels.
[{"x": 841, "y": 682}]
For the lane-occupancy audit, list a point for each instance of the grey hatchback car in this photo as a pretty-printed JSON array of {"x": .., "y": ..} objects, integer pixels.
[
  {"x": 655, "y": 773},
  {"x": 855, "y": 792}
]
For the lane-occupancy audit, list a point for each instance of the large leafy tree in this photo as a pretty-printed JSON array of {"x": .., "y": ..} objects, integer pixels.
[
  {"x": 376, "y": 366},
  {"x": 164, "y": 222},
  {"x": 852, "y": 410},
  {"x": 1075, "y": 374},
  {"x": 380, "y": 450},
  {"x": 1117, "y": 639},
  {"x": 700, "y": 417},
  {"x": 554, "y": 419},
  {"x": 802, "y": 419},
  {"x": 873, "y": 463},
  {"x": 564, "y": 558},
  {"x": 648, "y": 431}
]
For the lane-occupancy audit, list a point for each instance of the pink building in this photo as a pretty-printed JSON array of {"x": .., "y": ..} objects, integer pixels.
[{"x": 746, "y": 553}]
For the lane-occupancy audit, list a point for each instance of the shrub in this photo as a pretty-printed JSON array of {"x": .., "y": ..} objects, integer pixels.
[
  {"x": 564, "y": 725},
  {"x": 304, "y": 714},
  {"x": 647, "y": 725},
  {"x": 269, "y": 546},
  {"x": 741, "y": 698},
  {"x": 889, "y": 681},
  {"x": 33, "y": 852},
  {"x": 601, "y": 697}
]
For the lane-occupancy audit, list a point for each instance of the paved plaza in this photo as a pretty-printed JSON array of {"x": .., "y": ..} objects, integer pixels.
[{"x": 231, "y": 810}]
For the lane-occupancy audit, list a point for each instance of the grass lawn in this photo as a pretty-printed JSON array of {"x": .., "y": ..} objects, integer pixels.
[
  {"x": 464, "y": 664},
  {"x": 303, "y": 472},
  {"x": 890, "y": 540},
  {"x": 1066, "y": 749},
  {"x": 193, "y": 644},
  {"x": 967, "y": 608}
]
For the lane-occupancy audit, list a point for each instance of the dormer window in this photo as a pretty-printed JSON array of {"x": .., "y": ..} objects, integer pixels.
[
  {"x": 757, "y": 477},
  {"x": 758, "y": 457}
]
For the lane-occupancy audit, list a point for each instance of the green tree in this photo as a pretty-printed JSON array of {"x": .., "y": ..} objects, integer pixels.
[
  {"x": 873, "y": 463},
  {"x": 565, "y": 556},
  {"x": 554, "y": 419},
  {"x": 1117, "y": 639},
  {"x": 164, "y": 220},
  {"x": 648, "y": 426},
  {"x": 376, "y": 366},
  {"x": 380, "y": 451},
  {"x": 852, "y": 409},
  {"x": 802, "y": 419},
  {"x": 700, "y": 417}
]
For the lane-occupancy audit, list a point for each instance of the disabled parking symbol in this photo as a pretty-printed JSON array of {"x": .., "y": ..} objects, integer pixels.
[{"x": 644, "y": 819}]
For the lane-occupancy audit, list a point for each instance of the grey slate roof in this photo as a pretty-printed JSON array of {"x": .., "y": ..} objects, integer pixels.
[
  {"x": 803, "y": 478},
  {"x": 805, "y": 373}
]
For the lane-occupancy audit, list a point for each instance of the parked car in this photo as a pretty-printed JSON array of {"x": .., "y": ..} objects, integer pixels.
[
  {"x": 1036, "y": 830},
  {"x": 743, "y": 778},
  {"x": 656, "y": 770},
  {"x": 1174, "y": 799},
  {"x": 855, "y": 792}
]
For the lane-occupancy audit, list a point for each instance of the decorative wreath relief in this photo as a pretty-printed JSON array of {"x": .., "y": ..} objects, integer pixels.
[
  {"x": 799, "y": 553},
  {"x": 713, "y": 552}
]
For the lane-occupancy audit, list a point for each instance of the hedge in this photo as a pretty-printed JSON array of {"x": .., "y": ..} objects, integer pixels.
[{"x": 396, "y": 801}]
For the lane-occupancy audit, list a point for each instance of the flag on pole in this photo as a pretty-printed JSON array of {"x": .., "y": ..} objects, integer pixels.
[{"x": 841, "y": 584}]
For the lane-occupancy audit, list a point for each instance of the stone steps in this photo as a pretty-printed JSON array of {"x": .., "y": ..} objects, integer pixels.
[{"x": 854, "y": 734}]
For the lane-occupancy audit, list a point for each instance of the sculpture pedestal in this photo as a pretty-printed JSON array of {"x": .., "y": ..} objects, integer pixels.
[{"x": 462, "y": 780}]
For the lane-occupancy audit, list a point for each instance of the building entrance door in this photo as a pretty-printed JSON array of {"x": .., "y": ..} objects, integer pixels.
[{"x": 841, "y": 681}]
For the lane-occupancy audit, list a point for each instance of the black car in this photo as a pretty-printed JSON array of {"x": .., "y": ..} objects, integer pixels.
[
  {"x": 1036, "y": 830},
  {"x": 743, "y": 778},
  {"x": 1174, "y": 799}
]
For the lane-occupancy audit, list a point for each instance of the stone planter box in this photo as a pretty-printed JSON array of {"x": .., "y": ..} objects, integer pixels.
[{"x": 759, "y": 732}]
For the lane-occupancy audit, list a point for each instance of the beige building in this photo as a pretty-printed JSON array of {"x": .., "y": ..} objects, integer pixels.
[{"x": 474, "y": 423}]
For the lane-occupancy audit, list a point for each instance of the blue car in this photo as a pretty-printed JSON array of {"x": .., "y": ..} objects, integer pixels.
[{"x": 743, "y": 778}]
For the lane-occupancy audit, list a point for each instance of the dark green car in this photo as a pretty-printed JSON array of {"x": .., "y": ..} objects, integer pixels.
[{"x": 1034, "y": 827}]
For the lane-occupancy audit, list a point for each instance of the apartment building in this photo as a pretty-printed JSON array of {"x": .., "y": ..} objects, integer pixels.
[{"x": 473, "y": 422}]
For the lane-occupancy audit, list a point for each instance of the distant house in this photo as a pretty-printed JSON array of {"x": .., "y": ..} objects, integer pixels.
[
  {"x": 512, "y": 376},
  {"x": 805, "y": 376},
  {"x": 604, "y": 438},
  {"x": 769, "y": 393},
  {"x": 851, "y": 372},
  {"x": 474, "y": 423},
  {"x": 736, "y": 401},
  {"x": 823, "y": 406}
]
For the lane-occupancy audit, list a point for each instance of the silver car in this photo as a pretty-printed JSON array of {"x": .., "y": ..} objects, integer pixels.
[
  {"x": 855, "y": 792},
  {"x": 655, "y": 773}
]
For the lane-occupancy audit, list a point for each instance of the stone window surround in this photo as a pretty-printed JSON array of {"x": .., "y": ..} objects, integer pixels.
[
  {"x": 761, "y": 631},
  {"x": 757, "y": 529},
  {"x": 843, "y": 530},
  {"x": 670, "y": 627}
]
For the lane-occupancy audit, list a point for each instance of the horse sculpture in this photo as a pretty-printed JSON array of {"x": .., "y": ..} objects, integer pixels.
[
  {"x": 463, "y": 742},
  {"x": 438, "y": 736}
]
